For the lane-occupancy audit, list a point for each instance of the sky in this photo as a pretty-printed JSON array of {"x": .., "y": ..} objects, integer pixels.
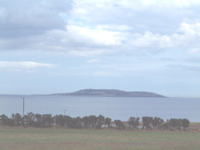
[{"x": 50, "y": 46}]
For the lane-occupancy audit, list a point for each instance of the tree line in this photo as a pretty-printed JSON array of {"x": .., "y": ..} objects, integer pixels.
[{"x": 92, "y": 121}]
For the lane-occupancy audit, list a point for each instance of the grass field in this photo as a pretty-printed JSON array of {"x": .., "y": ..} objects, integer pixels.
[{"x": 61, "y": 139}]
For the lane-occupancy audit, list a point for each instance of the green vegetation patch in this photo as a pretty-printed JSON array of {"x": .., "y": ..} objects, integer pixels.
[{"x": 60, "y": 139}]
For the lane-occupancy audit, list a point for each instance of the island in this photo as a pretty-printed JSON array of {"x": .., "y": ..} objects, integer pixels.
[{"x": 110, "y": 93}]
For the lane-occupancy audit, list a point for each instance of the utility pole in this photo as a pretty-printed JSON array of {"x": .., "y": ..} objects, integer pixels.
[
  {"x": 23, "y": 107},
  {"x": 64, "y": 112}
]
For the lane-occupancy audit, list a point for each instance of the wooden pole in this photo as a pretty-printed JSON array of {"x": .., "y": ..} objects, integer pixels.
[
  {"x": 23, "y": 107},
  {"x": 64, "y": 112}
]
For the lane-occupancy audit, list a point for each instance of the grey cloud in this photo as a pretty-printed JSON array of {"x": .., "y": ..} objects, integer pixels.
[{"x": 27, "y": 17}]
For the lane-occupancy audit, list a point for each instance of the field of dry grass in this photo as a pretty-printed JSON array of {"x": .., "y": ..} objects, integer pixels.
[
  {"x": 194, "y": 125},
  {"x": 61, "y": 139}
]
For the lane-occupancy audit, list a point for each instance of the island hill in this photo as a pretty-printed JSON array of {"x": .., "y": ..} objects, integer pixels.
[{"x": 110, "y": 93}]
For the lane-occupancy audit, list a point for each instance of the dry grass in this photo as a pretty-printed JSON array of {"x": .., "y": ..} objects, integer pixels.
[
  {"x": 61, "y": 139},
  {"x": 195, "y": 125}
]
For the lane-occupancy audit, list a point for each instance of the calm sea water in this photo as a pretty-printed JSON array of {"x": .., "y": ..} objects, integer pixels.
[{"x": 113, "y": 107}]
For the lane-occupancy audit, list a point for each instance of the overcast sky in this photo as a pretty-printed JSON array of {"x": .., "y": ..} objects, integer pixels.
[{"x": 51, "y": 46}]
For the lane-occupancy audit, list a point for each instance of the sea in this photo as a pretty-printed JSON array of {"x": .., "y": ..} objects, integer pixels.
[{"x": 121, "y": 108}]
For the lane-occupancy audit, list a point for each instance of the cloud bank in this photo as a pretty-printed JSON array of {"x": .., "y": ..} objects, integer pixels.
[{"x": 75, "y": 27}]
